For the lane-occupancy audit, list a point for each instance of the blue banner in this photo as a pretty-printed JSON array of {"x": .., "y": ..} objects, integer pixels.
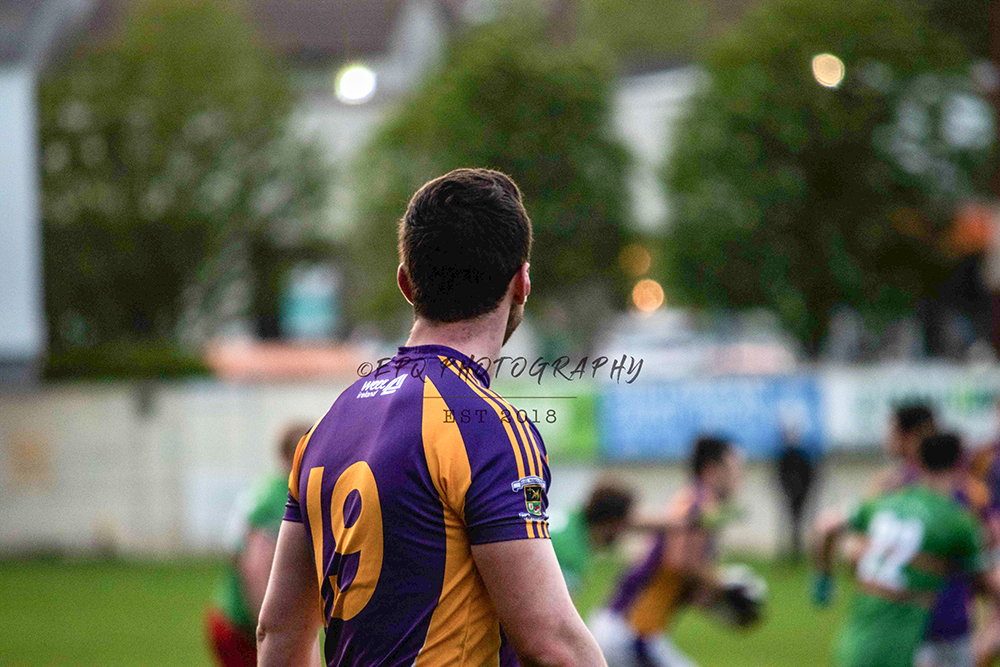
[{"x": 659, "y": 422}]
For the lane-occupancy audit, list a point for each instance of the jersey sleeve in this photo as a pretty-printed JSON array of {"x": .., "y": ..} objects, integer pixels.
[
  {"x": 293, "y": 512},
  {"x": 507, "y": 497},
  {"x": 972, "y": 552}
]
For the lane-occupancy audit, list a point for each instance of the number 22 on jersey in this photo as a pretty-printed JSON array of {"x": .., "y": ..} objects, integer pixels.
[
  {"x": 892, "y": 544},
  {"x": 355, "y": 521}
]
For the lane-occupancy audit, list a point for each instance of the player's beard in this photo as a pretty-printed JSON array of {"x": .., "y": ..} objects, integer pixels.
[{"x": 514, "y": 318}]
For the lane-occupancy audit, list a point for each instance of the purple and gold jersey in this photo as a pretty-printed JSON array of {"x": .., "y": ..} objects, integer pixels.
[
  {"x": 651, "y": 592},
  {"x": 409, "y": 468}
]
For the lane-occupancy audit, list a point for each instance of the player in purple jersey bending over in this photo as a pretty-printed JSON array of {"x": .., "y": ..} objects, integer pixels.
[{"x": 416, "y": 528}]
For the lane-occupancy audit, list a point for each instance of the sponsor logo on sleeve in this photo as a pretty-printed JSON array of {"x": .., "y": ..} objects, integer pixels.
[{"x": 381, "y": 387}]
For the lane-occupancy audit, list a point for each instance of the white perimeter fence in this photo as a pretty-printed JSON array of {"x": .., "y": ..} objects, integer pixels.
[{"x": 156, "y": 469}]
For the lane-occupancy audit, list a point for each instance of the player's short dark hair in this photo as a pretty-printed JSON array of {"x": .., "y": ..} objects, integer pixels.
[
  {"x": 462, "y": 239},
  {"x": 912, "y": 416},
  {"x": 607, "y": 503},
  {"x": 290, "y": 437},
  {"x": 708, "y": 450},
  {"x": 941, "y": 451}
]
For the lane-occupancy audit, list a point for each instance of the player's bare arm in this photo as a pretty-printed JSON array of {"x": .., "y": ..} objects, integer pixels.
[
  {"x": 986, "y": 641},
  {"x": 988, "y": 583},
  {"x": 654, "y": 523},
  {"x": 288, "y": 627},
  {"x": 830, "y": 528},
  {"x": 531, "y": 599},
  {"x": 687, "y": 546},
  {"x": 254, "y": 566}
]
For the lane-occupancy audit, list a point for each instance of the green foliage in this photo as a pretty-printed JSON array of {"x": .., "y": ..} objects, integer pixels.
[
  {"x": 165, "y": 155},
  {"x": 119, "y": 361},
  {"x": 797, "y": 197},
  {"x": 967, "y": 19},
  {"x": 646, "y": 30},
  {"x": 505, "y": 99}
]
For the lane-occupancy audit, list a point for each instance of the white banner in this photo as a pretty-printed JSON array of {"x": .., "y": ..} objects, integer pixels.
[{"x": 858, "y": 402}]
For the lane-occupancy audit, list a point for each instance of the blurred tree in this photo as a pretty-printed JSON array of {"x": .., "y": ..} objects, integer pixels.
[
  {"x": 968, "y": 20},
  {"x": 168, "y": 170},
  {"x": 508, "y": 100},
  {"x": 644, "y": 32},
  {"x": 799, "y": 197}
]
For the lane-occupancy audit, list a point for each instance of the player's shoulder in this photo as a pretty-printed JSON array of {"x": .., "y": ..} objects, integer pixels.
[
  {"x": 943, "y": 509},
  {"x": 472, "y": 401},
  {"x": 685, "y": 505},
  {"x": 982, "y": 460},
  {"x": 975, "y": 493},
  {"x": 885, "y": 481},
  {"x": 384, "y": 381}
]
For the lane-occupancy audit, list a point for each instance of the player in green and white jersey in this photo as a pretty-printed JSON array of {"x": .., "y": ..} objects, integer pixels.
[
  {"x": 595, "y": 526},
  {"x": 906, "y": 543}
]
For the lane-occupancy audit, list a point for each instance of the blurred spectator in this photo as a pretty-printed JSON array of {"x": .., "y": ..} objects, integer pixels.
[
  {"x": 796, "y": 474},
  {"x": 231, "y": 621}
]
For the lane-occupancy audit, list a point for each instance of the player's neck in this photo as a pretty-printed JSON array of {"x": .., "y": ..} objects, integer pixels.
[{"x": 477, "y": 339}]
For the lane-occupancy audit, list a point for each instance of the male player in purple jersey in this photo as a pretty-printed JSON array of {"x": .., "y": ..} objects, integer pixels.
[
  {"x": 679, "y": 567},
  {"x": 416, "y": 527},
  {"x": 985, "y": 466}
]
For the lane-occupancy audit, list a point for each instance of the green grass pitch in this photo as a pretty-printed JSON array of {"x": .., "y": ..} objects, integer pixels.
[{"x": 55, "y": 612}]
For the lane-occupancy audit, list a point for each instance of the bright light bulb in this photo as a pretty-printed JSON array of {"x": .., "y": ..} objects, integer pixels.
[
  {"x": 828, "y": 70},
  {"x": 647, "y": 295},
  {"x": 355, "y": 84}
]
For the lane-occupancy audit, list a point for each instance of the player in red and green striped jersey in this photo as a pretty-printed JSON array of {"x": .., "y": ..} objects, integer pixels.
[{"x": 232, "y": 619}]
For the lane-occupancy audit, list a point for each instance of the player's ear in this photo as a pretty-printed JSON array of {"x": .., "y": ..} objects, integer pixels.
[
  {"x": 521, "y": 283},
  {"x": 405, "y": 286}
]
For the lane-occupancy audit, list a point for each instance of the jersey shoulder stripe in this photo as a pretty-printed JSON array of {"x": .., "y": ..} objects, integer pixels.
[
  {"x": 452, "y": 636},
  {"x": 524, "y": 430},
  {"x": 300, "y": 449},
  {"x": 444, "y": 450},
  {"x": 474, "y": 384},
  {"x": 516, "y": 434}
]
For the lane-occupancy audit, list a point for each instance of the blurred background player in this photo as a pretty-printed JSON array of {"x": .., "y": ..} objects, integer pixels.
[
  {"x": 986, "y": 468},
  {"x": 595, "y": 526},
  {"x": 948, "y": 638},
  {"x": 679, "y": 567},
  {"x": 232, "y": 619},
  {"x": 909, "y": 425},
  {"x": 908, "y": 541}
]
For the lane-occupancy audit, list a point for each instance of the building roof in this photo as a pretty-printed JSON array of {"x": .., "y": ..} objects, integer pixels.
[
  {"x": 318, "y": 30},
  {"x": 29, "y": 27},
  {"x": 304, "y": 30},
  {"x": 14, "y": 18}
]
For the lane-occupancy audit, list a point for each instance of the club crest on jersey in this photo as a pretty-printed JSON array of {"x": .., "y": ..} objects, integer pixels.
[
  {"x": 533, "y": 499},
  {"x": 533, "y": 488}
]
